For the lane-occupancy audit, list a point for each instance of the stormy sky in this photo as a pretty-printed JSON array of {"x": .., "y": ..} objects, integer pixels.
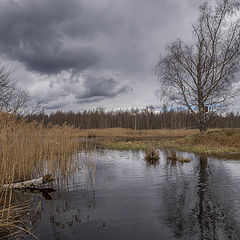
[{"x": 83, "y": 54}]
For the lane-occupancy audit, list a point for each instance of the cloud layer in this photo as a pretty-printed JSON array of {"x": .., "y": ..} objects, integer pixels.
[
  {"x": 35, "y": 33},
  {"x": 91, "y": 52}
]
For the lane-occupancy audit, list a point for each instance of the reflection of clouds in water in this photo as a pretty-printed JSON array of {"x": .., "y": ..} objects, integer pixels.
[
  {"x": 230, "y": 166},
  {"x": 189, "y": 200},
  {"x": 194, "y": 209}
]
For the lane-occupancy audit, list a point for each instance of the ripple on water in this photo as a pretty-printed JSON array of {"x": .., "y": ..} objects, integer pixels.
[{"x": 118, "y": 195}]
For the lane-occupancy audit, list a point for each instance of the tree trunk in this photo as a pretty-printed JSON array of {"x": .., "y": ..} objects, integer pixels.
[
  {"x": 202, "y": 127},
  {"x": 202, "y": 119}
]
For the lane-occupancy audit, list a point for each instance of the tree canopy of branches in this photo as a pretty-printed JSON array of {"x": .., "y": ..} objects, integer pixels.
[
  {"x": 12, "y": 98},
  {"x": 202, "y": 75}
]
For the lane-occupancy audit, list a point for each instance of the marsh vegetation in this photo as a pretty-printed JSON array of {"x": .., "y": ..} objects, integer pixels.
[
  {"x": 152, "y": 155},
  {"x": 29, "y": 150}
]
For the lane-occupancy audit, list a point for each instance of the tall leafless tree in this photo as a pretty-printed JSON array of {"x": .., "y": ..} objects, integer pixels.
[{"x": 202, "y": 75}]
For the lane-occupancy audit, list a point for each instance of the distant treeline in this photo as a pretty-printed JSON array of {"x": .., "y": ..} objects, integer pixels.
[{"x": 134, "y": 119}]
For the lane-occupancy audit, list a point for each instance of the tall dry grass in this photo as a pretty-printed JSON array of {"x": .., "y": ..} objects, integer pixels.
[
  {"x": 29, "y": 150},
  {"x": 137, "y": 134}
]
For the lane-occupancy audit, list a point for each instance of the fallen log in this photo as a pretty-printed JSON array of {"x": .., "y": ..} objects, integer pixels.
[{"x": 30, "y": 183}]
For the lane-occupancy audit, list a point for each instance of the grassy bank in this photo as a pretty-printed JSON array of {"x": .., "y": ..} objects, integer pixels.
[
  {"x": 215, "y": 142},
  {"x": 221, "y": 143}
]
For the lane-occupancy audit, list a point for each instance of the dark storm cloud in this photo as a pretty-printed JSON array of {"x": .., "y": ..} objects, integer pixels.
[
  {"x": 81, "y": 89},
  {"x": 34, "y": 32},
  {"x": 91, "y": 38},
  {"x": 51, "y": 36},
  {"x": 50, "y": 61},
  {"x": 101, "y": 87}
]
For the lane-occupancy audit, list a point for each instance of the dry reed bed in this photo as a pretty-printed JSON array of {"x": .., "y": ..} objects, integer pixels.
[
  {"x": 139, "y": 134},
  {"x": 217, "y": 138},
  {"x": 130, "y": 133},
  {"x": 29, "y": 150},
  {"x": 11, "y": 217},
  {"x": 215, "y": 142}
]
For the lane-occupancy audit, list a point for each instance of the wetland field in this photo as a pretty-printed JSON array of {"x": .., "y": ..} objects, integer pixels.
[{"x": 106, "y": 188}]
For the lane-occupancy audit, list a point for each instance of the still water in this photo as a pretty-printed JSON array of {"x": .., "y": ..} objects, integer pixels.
[{"x": 118, "y": 195}]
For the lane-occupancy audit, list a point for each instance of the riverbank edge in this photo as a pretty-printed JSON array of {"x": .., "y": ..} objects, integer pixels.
[{"x": 179, "y": 144}]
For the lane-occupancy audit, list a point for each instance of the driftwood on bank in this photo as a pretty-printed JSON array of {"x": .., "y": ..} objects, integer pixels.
[{"x": 30, "y": 183}]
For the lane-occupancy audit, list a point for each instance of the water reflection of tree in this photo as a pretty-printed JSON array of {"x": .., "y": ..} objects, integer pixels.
[{"x": 192, "y": 207}]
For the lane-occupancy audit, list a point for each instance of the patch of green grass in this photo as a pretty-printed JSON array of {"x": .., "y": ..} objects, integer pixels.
[
  {"x": 225, "y": 152},
  {"x": 224, "y": 143},
  {"x": 219, "y": 143},
  {"x": 135, "y": 145}
]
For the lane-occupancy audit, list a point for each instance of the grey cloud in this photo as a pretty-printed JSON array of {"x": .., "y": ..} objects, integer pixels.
[
  {"x": 82, "y": 89},
  {"x": 90, "y": 100},
  {"x": 51, "y": 36},
  {"x": 101, "y": 87},
  {"x": 51, "y": 62},
  {"x": 92, "y": 38},
  {"x": 33, "y": 33},
  {"x": 54, "y": 106}
]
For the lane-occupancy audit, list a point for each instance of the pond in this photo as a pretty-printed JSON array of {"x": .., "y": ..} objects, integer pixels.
[{"x": 118, "y": 195}]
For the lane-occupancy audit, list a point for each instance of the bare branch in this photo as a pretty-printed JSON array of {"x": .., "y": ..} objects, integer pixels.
[{"x": 202, "y": 74}]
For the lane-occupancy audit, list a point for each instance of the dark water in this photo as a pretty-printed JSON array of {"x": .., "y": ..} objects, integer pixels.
[{"x": 121, "y": 196}]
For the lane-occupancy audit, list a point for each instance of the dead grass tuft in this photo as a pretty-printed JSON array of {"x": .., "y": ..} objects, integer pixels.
[
  {"x": 125, "y": 133},
  {"x": 152, "y": 154},
  {"x": 218, "y": 138},
  {"x": 184, "y": 160}
]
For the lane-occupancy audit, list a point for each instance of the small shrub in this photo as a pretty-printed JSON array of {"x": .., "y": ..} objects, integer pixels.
[
  {"x": 152, "y": 154},
  {"x": 184, "y": 160}
]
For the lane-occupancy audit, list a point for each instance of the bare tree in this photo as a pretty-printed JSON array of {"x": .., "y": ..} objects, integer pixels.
[
  {"x": 20, "y": 101},
  {"x": 202, "y": 75},
  {"x": 11, "y": 96},
  {"x": 7, "y": 87}
]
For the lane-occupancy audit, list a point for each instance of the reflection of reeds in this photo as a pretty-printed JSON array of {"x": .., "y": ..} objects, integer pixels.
[
  {"x": 29, "y": 150},
  {"x": 171, "y": 154},
  {"x": 11, "y": 216}
]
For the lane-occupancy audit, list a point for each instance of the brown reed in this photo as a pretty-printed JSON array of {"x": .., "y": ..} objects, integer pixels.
[
  {"x": 126, "y": 133},
  {"x": 152, "y": 154},
  {"x": 29, "y": 150}
]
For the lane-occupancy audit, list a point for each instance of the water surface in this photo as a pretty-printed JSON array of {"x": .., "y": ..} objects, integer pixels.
[{"x": 118, "y": 195}]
